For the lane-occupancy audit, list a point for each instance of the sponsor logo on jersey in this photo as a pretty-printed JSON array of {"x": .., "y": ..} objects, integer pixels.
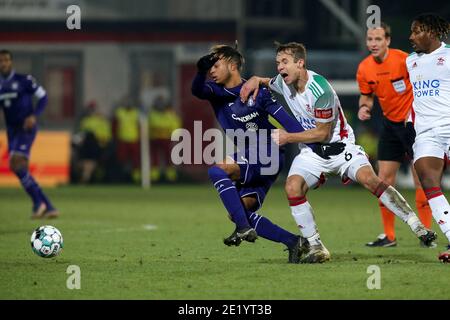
[
  {"x": 307, "y": 123},
  {"x": 323, "y": 114},
  {"x": 251, "y": 126},
  {"x": 9, "y": 95},
  {"x": 426, "y": 88},
  {"x": 440, "y": 61},
  {"x": 414, "y": 65},
  {"x": 246, "y": 118},
  {"x": 250, "y": 102},
  {"x": 308, "y": 108},
  {"x": 15, "y": 86}
]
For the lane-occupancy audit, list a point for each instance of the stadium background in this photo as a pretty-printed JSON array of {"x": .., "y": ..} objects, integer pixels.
[
  {"x": 137, "y": 50},
  {"x": 166, "y": 242}
]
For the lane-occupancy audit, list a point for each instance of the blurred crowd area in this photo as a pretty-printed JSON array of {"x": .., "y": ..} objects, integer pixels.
[
  {"x": 107, "y": 148},
  {"x": 136, "y": 59}
]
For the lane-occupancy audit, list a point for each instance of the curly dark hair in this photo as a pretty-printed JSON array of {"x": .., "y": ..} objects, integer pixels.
[{"x": 434, "y": 24}]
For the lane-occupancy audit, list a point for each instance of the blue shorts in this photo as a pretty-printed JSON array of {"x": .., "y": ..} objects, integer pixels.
[
  {"x": 253, "y": 180},
  {"x": 20, "y": 141}
]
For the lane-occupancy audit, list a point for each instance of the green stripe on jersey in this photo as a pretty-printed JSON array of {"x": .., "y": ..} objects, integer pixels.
[
  {"x": 315, "y": 90},
  {"x": 322, "y": 83},
  {"x": 321, "y": 91}
]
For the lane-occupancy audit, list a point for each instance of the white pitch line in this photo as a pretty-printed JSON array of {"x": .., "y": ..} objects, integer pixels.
[
  {"x": 150, "y": 227},
  {"x": 147, "y": 227}
]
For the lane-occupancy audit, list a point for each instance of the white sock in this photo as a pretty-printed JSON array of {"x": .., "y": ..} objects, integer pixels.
[
  {"x": 441, "y": 213},
  {"x": 304, "y": 217},
  {"x": 314, "y": 240},
  {"x": 394, "y": 201}
]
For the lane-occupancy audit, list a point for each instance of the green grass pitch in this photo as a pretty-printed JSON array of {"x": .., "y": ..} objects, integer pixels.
[{"x": 166, "y": 243}]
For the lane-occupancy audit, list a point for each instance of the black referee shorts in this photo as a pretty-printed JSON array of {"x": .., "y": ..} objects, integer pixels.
[{"x": 394, "y": 142}]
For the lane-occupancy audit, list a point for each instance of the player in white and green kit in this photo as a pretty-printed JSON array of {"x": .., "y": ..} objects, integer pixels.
[
  {"x": 429, "y": 73},
  {"x": 316, "y": 106}
]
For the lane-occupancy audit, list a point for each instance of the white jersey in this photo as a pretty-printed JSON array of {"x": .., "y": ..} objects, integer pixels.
[
  {"x": 318, "y": 103},
  {"x": 430, "y": 78}
]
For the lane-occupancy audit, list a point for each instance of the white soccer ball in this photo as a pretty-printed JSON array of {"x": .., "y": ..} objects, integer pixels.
[{"x": 46, "y": 241}]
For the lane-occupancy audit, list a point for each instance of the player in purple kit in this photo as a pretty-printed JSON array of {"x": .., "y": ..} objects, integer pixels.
[
  {"x": 16, "y": 99},
  {"x": 241, "y": 179}
]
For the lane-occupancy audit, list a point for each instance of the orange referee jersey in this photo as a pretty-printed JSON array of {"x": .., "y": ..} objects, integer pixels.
[{"x": 389, "y": 81}]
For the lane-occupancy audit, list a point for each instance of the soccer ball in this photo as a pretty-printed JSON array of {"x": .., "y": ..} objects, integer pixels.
[{"x": 46, "y": 241}]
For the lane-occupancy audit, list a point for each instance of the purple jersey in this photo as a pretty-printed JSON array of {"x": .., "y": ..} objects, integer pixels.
[
  {"x": 233, "y": 114},
  {"x": 16, "y": 98}
]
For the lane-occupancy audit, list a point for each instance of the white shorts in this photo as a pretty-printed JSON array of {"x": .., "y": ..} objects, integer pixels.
[
  {"x": 311, "y": 166},
  {"x": 432, "y": 143}
]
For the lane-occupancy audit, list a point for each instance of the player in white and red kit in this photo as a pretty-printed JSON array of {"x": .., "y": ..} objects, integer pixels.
[
  {"x": 429, "y": 73},
  {"x": 316, "y": 106}
]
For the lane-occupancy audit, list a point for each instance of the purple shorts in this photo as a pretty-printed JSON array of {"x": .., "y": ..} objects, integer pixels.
[
  {"x": 252, "y": 181},
  {"x": 20, "y": 141}
]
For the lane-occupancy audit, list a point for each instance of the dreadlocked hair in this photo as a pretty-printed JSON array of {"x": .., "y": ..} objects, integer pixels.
[
  {"x": 229, "y": 54},
  {"x": 434, "y": 24}
]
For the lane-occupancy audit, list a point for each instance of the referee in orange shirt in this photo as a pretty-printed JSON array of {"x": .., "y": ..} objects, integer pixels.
[{"x": 383, "y": 74}]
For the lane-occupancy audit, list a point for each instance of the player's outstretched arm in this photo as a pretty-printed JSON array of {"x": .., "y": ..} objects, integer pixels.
[
  {"x": 252, "y": 85},
  {"x": 278, "y": 113},
  {"x": 292, "y": 125},
  {"x": 321, "y": 133}
]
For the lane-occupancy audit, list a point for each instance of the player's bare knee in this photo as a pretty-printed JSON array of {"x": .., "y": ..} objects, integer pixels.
[
  {"x": 294, "y": 187},
  {"x": 368, "y": 179},
  {"x": 429, "y": 181},
  {"x": 429, "y": 172}
]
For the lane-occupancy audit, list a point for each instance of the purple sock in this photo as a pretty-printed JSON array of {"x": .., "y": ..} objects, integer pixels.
[
  {"x": 46, "y": 200},
  {"x": 30, "y": 186},
  {"x": 229, "y": 195},
  {"x": 270, "y": 231}
]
